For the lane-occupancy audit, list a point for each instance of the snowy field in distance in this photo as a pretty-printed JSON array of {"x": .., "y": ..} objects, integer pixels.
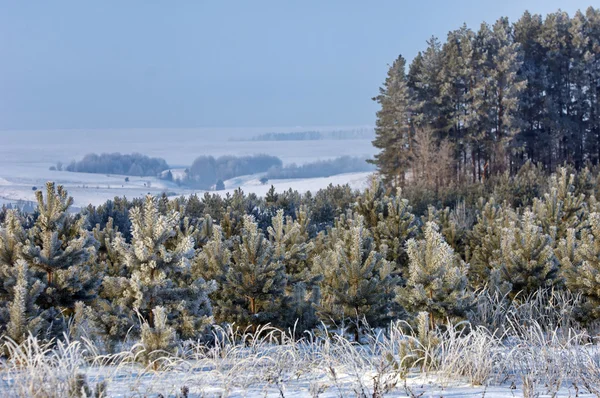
[{"x": 26, "y": 156}]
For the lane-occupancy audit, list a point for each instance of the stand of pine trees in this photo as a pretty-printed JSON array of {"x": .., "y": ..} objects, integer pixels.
[
  {"x": 484, "y": 101},
  {"x": 337, "y": 258}
]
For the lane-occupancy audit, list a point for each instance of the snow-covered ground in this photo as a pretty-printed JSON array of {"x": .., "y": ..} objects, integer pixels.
[{"x": 25, "y": 159}]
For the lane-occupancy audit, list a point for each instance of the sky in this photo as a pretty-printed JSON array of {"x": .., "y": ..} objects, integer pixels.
[{"x": 190, "y": 64}]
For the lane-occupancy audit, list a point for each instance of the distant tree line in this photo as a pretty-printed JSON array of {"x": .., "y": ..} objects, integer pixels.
[
  {"x": 496, "y": 97},
  {"x": 321, "y": 168},
  {"x": 315, "y": 135},
  {"x": 207, "y": 171},
  {"x": 133, "y": 164}
]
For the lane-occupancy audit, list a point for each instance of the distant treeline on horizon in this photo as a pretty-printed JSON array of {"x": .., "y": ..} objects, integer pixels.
[
  {"x": 208, "y": 172},
  {"x": 367, "y": 133}
]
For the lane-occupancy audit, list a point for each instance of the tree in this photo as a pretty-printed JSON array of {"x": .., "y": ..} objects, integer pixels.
[
  {"x": 527, "y": 32},
  {"x": 393, "y": 131},
  {"x": 203, "y": 172},
  {"x": 291, "y": 245},
  {"x": 158, "y": 262},
  {"x": 256, "y": 277},
  {"x": 457, "y": 80},
  {"x": 390, "y": 221},
  {"x": 24, "y": 315},
  {"x": 437, "y": 281},
  {"x": 425, "y": 83},
  {"x": 59, "y": 248},
  {"x": 432, "y": 164},
  {"x": 213, "y": 263},
  {"x": 194, "y": 207},
  {"x": 527, "y": 258},
  {"x": 113, "y": 318},
  {"x": 560, "y": 208},
  {"x": 485, "y": 240},
  {"x": 358, "y": 283},
  {"x": 580, "y": 264},
  {"x": 506, "y": 88},
  {"x": 158, "y": 338}
]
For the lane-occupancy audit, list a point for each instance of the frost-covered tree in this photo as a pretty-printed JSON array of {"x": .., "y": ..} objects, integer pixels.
[
  {"x": 113, "y": 318},
  {"x": 561, "y": 208},
  {"x": 292, "y": 246},
  {"x": 389, "y": 219},
  {"x": 485, "y": 240},
  {"x": 12, "y": 238},
  {"x": 158, "y": 339},
  {"x": 24, "y": 315},
  {"x": 453, "y": 224},
  {"x": 212, "y": 264},
  {"x": 437, "y": 281},
  {"x": 256, "y": 278},
  {"x": 395, "y": 227},
  {"x": 527, "y": 257},
  {"x": 158, "y": 262},
  {"x": 580, "y": 261},
  {"x": 59, "y": 249},
  {"x": 358, "y": 282}
]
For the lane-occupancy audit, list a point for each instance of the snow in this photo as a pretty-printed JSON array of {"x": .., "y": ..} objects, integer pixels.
[{"x": 25, "y": 159}]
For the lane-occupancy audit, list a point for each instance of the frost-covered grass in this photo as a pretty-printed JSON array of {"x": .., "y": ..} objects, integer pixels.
[{"x": 462, "y": 360}]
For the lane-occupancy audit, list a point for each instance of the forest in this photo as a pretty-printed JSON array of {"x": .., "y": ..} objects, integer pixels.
[{"x": 490, "y": 96}]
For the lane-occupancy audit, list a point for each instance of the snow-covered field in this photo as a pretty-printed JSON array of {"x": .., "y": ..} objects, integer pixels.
[{"x": 25, "y": 159}]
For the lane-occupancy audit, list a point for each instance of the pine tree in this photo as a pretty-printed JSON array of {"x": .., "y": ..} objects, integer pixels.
[
  {"x": 580, "y": 262},
  {"x": 588, "y": 40},
  {"x": 561, "y": 208},
  {"x": 372, "y": 203},
  {"x": 357, "y": 281},
  {"x": 453, "y": 224},
  {"x": 12, "y": 238},
  {"x": 485, "y": 240},
  {"x": 291, "y": 245},
  {"x": 527, "y": 257},
  {"x": 256, "y": 278},
  {"x": 194, "y": 207},
  {"x": 394, "y": 228},
  {"x": 113, "y": 318},
  {"x": 159, "y": 273},
  {"x": 527, "y": 32},
  {"x": 24, "y": 316},
  {"x": 212, "y": 264},
  {"x": 506, "y": 88},
  {"x": 556, "y": 40},
  {"x": 60, "y": 248},
  {"x": 393, "y": 132},
  {"x": 457, "y": 78},
  {"x": 157, "y": 339},
  {"x": 437, "y": 281},
  {"x": 425, "y": 83}
]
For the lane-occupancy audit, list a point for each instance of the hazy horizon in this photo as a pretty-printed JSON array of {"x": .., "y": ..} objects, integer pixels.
[{"x": 111, "y": 65}]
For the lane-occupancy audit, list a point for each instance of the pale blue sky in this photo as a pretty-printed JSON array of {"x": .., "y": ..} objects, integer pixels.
[{"x": 125, "y": 63}]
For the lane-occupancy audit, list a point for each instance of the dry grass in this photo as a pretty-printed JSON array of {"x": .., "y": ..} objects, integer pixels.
[{"x": 536, "y": 358}]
